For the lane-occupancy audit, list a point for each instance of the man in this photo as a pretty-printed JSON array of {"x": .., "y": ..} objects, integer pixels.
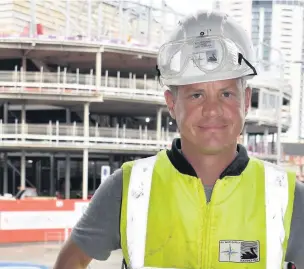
[{"x": 204, "y": 203}]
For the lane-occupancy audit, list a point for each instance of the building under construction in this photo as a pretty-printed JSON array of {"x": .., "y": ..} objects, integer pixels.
[{"x": 79, "y": 94}]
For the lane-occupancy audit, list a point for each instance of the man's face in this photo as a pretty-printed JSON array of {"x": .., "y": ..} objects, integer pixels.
[{"x": 210, "y": 115}]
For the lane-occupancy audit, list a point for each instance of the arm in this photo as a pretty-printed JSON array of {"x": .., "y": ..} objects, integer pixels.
[
  {"x": 295, "y": 248},
  {"x": 97, "y": 233}
]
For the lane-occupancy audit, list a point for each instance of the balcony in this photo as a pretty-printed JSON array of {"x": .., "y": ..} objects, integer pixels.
[
  {"x": 269, "y": 117},
  {"x": 44, "y": 84},
  {"x": 71, "y": 138}
]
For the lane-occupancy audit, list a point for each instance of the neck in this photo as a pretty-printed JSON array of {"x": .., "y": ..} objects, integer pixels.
[{"x": 208, "y": 167}]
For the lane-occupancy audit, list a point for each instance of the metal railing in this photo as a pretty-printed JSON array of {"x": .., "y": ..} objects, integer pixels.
[
  {"x": 62, "y": 79},
  {"x": 118, "y": 138},
  {"x": 63, "y": 83},
  {"x": 60, "y": 135}
]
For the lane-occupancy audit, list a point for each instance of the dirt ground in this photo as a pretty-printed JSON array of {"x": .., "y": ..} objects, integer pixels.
[{"x": 45, "y": 254}]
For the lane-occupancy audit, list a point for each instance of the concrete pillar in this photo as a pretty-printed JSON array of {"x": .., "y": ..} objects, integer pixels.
[
  {"x": 158, "y": 123},
  {"x": 85, "y": 163},
  {"x": 85, "y": 179},
  {"x": 23, "y": 171},
  {"x": 67, "y": 185},
  {"x": 5, "y": 158},
  {"x": 245, "y": 136},
  {"x": 23, "y": 113},
  {"x": 68, "y": 116},
  {"x": 23, "y": 119},
  {"x": 14, "y": 182},
  {"x": 52, "y": 177},
  {"x": 23, "y": 157},
  {"x": 86, "y": 114},
  {"x": 38, "y": 176},
  {"x": 265, "y": 140},
  {"x": 98, "y": 69},
  {"x": 67, "y": 182},
  {"x": 24, "y": 63},
  {"x": 5, "y": 173}
]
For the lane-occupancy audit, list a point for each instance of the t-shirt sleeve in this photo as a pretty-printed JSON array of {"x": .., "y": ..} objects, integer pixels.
[
  {"x": 97, "y": 233},
  {"x": 295, "y": 249}
]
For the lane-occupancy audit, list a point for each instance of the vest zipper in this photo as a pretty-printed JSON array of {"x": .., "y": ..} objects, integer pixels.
[
  {"x": 207, "y": 228},
  {"x": 206, "y": 236}
]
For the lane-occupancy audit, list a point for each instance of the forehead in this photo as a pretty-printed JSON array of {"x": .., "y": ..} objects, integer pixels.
[{"x": 220, "y": 84}]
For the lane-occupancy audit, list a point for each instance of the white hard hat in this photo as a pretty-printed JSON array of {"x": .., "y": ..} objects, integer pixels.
[{"x": 209, "y": 46}]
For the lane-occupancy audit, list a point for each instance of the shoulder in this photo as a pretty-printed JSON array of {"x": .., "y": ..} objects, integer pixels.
[
  {"x": 299, "y": 194},
  {"x": 295, "y": 248},
  {"x": 108, "y": 192},
  {"x": 147, "y": 161}
]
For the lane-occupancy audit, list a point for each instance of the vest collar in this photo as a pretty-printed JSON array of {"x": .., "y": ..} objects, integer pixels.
[{"x": 178, "y": 160}]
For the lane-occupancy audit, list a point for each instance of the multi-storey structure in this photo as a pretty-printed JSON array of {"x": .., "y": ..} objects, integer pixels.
[
  {"x": 280, "y": 24},
  {"x": 72, "y": 104}
]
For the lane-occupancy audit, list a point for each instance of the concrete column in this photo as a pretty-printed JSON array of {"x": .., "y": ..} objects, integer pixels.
[
  {"x": 23, "y": 113},
  {"x": 38, "y": 175},
  {"x": 5, "y": 158},
  {"x": 5, "y": 173},
  {"x": 67, "y": 185},
  {"x": 23, "y": 157},
  {"x": 265, "y": 140},
  {"x": 68, "y": 116},
  {"x": 245, "y": 137},
  {"x": 23, "y": 171},
  {"x": 67, "y": 182},
  {"x": 14, "y": 182},
  {"x": 159, "y": 123},
  {"x": 86, "y": 114},
  {"x": 98, "y": 69},
  {"x": 24, "y": 67},
  {"x": 85, "y": 179},
  {"x": 85, "y": 163},
  {"x": 24, "y": 63},
  {"x": 23, "y": 120},
  {"x": 52, "y": 177}
]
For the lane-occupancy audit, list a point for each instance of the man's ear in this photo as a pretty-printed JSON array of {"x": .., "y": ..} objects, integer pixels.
[
  {"x": 170, "y": 101},
  {"x": 248, "y": 94}
]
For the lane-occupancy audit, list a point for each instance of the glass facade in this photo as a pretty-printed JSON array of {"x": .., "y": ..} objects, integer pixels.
[{"x": 255, "y": 28}]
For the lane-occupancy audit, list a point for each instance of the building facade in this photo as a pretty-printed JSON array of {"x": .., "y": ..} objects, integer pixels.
[{"x": 280, "y": 25}]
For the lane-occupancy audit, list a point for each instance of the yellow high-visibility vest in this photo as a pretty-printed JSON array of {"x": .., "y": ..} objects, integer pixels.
[{"x": 166, "y": 221}]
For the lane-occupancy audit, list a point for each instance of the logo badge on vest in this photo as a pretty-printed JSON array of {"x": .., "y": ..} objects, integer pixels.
[{"x": 239, "y": 251}]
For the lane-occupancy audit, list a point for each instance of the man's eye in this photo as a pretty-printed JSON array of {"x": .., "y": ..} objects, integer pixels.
[
  {"x": 196, "y": 95},
  {"x": 227, "y": 94}
]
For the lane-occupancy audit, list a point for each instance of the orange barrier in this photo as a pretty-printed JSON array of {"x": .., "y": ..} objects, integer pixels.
[{"x": 33, "y": 220}]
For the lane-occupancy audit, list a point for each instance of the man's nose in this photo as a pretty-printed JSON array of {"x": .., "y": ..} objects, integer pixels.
[{"x": 212, "y": 107}]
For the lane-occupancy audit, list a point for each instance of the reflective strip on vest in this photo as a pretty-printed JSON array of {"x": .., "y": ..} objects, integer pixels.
[
  {"x": 276, "y": 202},
  {"x": 137, "y": 212},
  {"x": 276, "y": 198}
]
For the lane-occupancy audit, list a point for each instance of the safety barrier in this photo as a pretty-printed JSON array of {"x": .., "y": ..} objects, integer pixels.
[{"x": 38, "y": 220}]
